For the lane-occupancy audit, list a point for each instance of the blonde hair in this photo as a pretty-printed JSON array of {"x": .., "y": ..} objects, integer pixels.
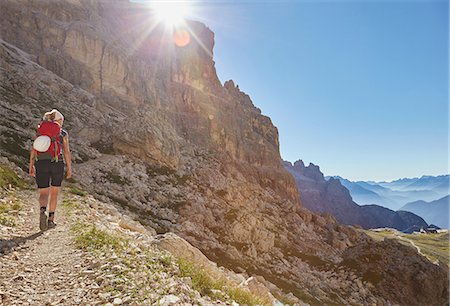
[
  {"x": 53, "y": 115},
  {"x": 50, "y": 117}
]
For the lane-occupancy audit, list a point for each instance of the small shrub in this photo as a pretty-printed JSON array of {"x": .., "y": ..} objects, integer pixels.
[
  {"x": 71, "y": 180},
  {"x": 201, "y": 281},
  {"x": 7, "y": 220},
  {"x": 77, "y": 191},
  {"x": 9, "y": 177},
  {"x": 16, "y": 205},
  {"x": 70, "y": 204},
  {"x": 165, "y": 260},
  {"x": 93, "y": 239},
  {"x": 155, "y": 170},
  {"x": 4, "y": 208},
  {"x": 206, "y": 285},
  {"x": 244, "y": 297},
  {"x": 115, "y": 178}
]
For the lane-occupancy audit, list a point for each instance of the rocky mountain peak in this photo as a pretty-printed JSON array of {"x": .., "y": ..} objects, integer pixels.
[
  {"x": 330, "y": 196},
  {"x": 311, "y": 171},
  {"x": 154, "y": 132}
]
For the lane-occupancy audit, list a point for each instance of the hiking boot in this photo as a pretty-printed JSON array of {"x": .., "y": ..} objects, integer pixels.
[
  {"x": 51, "y": 224},
  {"x": 43, "y": 221}
]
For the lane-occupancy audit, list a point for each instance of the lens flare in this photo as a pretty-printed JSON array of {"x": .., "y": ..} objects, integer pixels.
[{"x": 181, "y": 37}]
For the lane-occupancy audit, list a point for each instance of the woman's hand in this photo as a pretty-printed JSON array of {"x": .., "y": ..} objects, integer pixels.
[
  {"x": 32, "y": 171},
  {"x": 69, "y": 173}
]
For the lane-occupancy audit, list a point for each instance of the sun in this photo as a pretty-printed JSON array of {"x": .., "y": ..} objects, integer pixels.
[{"x": 172, "y": 13}]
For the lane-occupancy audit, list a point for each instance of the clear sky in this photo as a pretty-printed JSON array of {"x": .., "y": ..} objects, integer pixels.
[{"x": 359, "y": 88}]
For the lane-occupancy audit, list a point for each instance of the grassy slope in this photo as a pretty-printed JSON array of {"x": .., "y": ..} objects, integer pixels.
[{"x": 433, "y": 246}]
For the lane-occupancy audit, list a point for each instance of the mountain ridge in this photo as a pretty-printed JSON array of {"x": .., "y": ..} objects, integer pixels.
[
  {"x": 397, "y": 193},
  {"x": 435, "y": 212},
  {"x": 331, "y": 196},
  {"x": 154, "y": 132}
]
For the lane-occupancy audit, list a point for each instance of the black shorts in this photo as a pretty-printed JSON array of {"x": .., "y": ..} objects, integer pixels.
[{"x": 49, "y": 172}]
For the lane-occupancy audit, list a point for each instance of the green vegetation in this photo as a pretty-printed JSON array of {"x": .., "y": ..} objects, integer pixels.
[
  {"x": 9, "y": 204},
  {"x": 7, "y": 220},
  {"x": 380, "y": 235},
  {"x": 69, "y": 206},
  {"x": 149, "y": 263},
  {"x": 433, "y": 246},
  {"x": 116, "y": 178},
  {"x": 9, "y": 177},
  {"x": 206, "y": 285},
  {"x": 77, "y": 191},
  {"x": 154, "y": 170},
  {"x": 90, "y": 238},
  {"x": 244, "y": 297},
  {"x": 201, "y": 281},
  {"x": 9, "y": 208}
]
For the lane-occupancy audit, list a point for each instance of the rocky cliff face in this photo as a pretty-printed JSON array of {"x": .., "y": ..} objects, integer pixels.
[
  {"x": 330, "y": 196},
  {"x": 154, "y": 131}
]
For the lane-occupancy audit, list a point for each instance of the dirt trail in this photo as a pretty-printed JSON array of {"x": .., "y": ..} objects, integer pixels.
[
  {"x": 42, "y": 268},
  {"x": 115, "y": 263}
]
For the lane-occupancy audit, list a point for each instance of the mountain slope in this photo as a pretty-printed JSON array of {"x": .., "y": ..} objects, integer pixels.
[
  {"x": 320, "y": 195},
  {"x": 435, "y": 212},
  {"x": 363, "y": 195},
  {"x": 97, "y": 255},
  {"x": 154, "y": 131}
]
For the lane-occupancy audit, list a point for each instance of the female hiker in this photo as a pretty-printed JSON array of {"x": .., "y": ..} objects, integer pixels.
[{"x": 48, "y": 157}]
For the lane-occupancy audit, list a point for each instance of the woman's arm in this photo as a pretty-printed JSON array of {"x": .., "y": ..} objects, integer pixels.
[
  {"x": 32, "y": 170},
  {"x": 67, "y": 156}
]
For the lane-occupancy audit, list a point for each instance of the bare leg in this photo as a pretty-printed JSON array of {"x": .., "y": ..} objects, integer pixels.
[
  {"x": 43, "y": 197},
  {"x": 53, "y": 201}
]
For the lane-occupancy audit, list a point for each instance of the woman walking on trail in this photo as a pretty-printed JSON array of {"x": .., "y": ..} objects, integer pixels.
[{"x": 49, "y": 156}]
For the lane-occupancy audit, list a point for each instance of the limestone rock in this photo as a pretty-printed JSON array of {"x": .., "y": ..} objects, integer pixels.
[
  {"x": 183, "y": 249},
  {"x": 132, "y": 225},
  {"x": 169, "y": 300},
  {"x": 153, "y": 131}
]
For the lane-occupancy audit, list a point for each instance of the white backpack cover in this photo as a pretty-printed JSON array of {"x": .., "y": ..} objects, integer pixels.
[{"x": 42, "y": 143}]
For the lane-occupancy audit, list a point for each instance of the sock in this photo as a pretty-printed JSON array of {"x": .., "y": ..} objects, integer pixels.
[
  {"x": 43, "y": 209},
  {"x": 51, "y": 215}
]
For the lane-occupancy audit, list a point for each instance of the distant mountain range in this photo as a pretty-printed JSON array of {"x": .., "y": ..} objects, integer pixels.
[
  {"x": 398, "y": 193},
  {"x": 330, "y": 196},
  {"x": 435, "y": 212}
]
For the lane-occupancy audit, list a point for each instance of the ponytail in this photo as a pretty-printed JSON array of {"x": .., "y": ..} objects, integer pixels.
[{"x": 51, "y": 117}]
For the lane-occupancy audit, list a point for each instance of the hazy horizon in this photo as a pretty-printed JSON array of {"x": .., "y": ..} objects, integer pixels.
[{"x": 366, "y": 179}]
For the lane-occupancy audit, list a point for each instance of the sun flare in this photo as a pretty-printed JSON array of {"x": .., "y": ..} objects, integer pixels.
[{"x": 172, "y": 13}]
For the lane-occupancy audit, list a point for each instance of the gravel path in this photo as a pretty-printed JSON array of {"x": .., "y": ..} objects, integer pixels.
[
  {"x": 118, "y": 264},
  {"x": 42, "y": 268}
]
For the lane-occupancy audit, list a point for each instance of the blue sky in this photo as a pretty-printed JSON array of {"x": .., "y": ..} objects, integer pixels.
[{"x": 358, "y": 87}]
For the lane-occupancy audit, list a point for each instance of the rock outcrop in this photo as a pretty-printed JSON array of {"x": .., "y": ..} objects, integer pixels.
[
  {"x": 154, "y": 131},
  {"x": 330, "y": 196}
]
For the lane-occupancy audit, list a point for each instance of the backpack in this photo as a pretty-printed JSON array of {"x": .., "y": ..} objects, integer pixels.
[{"x": 53, "y": 131}]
